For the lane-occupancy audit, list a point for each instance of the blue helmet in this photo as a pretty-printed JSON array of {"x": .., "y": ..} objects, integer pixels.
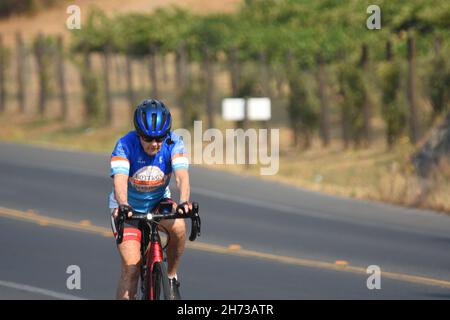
[{"x": 152, "y": 119}]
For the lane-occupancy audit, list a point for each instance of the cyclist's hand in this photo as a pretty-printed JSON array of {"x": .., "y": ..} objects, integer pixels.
[
  {"x": 184, "y": 207},
  {"x": 125, "y": 208}
]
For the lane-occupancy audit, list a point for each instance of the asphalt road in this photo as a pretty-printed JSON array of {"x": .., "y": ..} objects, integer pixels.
[{"x": 290, "y": 238}]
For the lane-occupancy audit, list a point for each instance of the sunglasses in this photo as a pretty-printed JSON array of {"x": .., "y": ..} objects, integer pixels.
[{"x": 151, "y": 139}]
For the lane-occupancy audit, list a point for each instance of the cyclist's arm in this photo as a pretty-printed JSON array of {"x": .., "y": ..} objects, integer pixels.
[
  {"x": 180, "y": 166},
  {"x": 182, "y": 178},
  {"x": 120, "y": 188}
]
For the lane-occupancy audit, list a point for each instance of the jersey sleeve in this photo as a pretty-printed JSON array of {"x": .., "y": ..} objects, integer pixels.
[
  {"x": 178, "y": 156},
  {"x": 120, "y": 156}
]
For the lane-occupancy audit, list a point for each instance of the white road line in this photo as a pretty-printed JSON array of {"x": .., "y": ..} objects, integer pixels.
[
  {"x": 41, "y": 291},
  {"x": 260, "y": 203}
]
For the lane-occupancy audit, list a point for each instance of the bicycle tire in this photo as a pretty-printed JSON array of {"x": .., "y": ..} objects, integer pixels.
[
  {"x": 161, "y": 289},
  {"x": 144, "y": 284}
]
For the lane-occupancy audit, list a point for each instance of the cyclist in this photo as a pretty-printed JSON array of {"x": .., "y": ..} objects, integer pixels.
[{"x": 141, "y": 165}]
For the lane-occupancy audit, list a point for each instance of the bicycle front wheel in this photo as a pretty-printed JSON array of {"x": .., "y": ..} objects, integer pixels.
[{"x": 156, "y": 283}]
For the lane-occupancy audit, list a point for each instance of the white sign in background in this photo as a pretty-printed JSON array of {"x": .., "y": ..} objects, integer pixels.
[
  {"x": 258, "y": 109},
  {"x": 233, "y": 109}
]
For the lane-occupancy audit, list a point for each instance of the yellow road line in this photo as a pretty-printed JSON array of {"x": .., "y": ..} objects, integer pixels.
[
  {"x": 86, "y": 226},
  {"x": 31, "y": 216}
]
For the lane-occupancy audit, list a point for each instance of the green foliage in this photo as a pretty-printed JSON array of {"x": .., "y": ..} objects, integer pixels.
[
  {"x": 247, "y": 85},
  {"x": 191, "y": 95},
  {"x": 98, "y": 33},
  {"x": 352, "y": 86},
  {"x": 92, "y": 96},
  {"x": 175, "y": 26},
  {"x": 91, "y": 86},
  {"x": 135, "y": 33},
  {"x": 272, "y": 26},
  {"x": 6, "y": 56},
  {"x": 393, "y": 108},
  {"x": 212, "y": 31},
  {"x": 303, "y": 116},
  {"x": 439, "y": 86},
  {"x": 44, "y": 48}
]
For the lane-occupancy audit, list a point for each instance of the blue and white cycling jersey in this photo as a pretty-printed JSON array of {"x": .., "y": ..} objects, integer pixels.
[{"x": 149, "y": 176}]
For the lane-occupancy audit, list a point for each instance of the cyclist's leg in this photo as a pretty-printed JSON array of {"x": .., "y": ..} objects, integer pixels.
[
  {"x": 130, "y": 255},
  {"x": 177, "y": 231}
]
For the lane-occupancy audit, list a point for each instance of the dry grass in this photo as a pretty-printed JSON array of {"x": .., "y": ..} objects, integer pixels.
[{"x": 439, "y": 188}]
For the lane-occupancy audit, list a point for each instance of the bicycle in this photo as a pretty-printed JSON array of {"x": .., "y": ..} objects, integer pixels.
[{"x": 153, "y": 275}]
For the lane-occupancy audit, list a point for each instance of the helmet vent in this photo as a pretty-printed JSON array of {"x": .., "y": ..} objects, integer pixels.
[
  {"x": 163, "y": 122},
  {"x": 154, "y": 118},
  {"x": 144, "y": 119}
]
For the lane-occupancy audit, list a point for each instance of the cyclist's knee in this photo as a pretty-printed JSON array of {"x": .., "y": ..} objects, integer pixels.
[{"x": 179, "y": 228}]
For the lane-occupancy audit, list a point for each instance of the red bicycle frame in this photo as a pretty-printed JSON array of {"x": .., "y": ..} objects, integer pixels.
[{"x": 153, "y": 255}]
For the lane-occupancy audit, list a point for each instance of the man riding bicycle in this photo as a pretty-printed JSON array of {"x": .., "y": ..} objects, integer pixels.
[{"x": 141, "y": 165}]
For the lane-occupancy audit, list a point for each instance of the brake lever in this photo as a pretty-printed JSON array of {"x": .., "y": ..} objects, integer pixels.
[
  {"x": 199, "y": 222},
  {"x": 120, "y": 222},
  {"x": 195, "y": 222}
]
